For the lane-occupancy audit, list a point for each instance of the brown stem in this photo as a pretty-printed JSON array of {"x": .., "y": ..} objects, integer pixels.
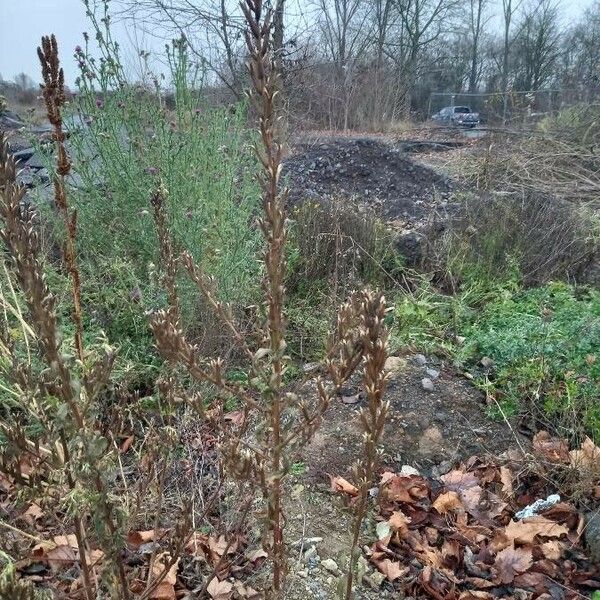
[{"x": 79, "y": 529}]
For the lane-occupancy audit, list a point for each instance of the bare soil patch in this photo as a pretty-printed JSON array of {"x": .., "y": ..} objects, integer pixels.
[{"x": 428, "y": 430}]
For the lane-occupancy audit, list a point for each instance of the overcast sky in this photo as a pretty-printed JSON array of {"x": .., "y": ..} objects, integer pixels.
[{"x": 23, "y": 22}]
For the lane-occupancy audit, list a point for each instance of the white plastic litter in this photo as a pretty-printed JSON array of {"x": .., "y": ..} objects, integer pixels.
[{"x": 538, "y": 506}]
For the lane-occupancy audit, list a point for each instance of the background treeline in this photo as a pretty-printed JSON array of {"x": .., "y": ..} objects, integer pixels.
[{"x": 369, "y": 63}]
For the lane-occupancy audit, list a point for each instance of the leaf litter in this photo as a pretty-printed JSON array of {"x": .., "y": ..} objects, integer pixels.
[{"x": 456, "y": 537}]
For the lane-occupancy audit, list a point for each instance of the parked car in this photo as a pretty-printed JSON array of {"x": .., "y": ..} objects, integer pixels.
[{"x": 457, "y": 115}]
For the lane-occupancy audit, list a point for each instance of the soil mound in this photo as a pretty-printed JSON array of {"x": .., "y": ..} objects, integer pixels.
[{"x": 377, "y": 173}]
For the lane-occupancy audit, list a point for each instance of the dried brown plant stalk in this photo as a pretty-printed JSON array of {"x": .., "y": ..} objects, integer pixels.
[
  {"x": 53, "y": 92},
  {"x": 283, "y": 422},
  {"x": 373, "y": 416},
  {"x": 72, "y": 446},
  {"x": 19, "y": 234}
]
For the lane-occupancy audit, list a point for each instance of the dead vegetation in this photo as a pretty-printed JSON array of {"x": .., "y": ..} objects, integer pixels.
[{"x": 469, "y": 537}]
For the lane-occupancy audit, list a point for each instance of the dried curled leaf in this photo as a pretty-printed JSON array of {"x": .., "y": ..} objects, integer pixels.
[{"x": 341, "y": 485}]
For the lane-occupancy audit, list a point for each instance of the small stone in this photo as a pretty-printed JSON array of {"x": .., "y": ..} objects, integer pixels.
[
  {"x": 486, "y": 362},
  {"x": 330, "y": 565},
  {"x": 311, "y": 553},
  {"x": 444, "y": 467},
  {"x": 408, "y": 470},
  {"x": 302, "y": 573},
  {"x": 427, "y": 384},
  {"x": 375, "y": 579},
  {"x": 431, "y": 442},
  {"x": 394, "y": 364},
  {"x": 432, "y": 373},
  {"x": 307, "y": 542},
  {"x": 420, "y": 360},
  {"x": 592, "y": 536}
]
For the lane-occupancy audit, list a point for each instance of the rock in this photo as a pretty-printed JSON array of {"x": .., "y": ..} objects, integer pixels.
[
  {"x": 375, "y": 579},
  {"x": 22, "y": 156},
  {"x": 408, "y": 470},
  {"x": 311, "y": 554},
  {"x": 307, "y": 542},
  {"x": 592, "y": 535},
  {"x": 330, "y": 565},
  {"x": 432, "y": 373},
  {"x": 394, "y": 364},
  {"x": 444, "y": 467},
  {"x": 410, "y": 246},
  {"x": 486, "y": 362},
  {"x": 420, "y": 360},
  {"x": 302, "y": 573},
  {"x": 431, "y": 442},
  {"x": 427, "y": 384}
]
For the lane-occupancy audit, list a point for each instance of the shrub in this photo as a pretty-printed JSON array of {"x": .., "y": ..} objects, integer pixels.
[
  {"x": 530, "y": 239},
  {"x": 124, "y": 141},
  {"x": 341, "y": 242}
]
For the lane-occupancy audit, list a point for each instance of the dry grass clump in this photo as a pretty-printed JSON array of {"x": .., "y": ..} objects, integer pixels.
[
  {"x": 531, "y": 236},
  {"x": 340, "y": 241},
  {"x": 560, "y": 158}
]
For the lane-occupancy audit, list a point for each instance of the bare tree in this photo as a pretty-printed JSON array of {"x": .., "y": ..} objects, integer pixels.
[
  {"x": 509, "y": 9},
  {"x": 343, "y": 24},
  {"x": 581, "y": 51},
  {"x": 538, "y": 45},
  {"x": 477, "y": 21},
  {"x": 212, "y": 28},
  {"x": 423, "y": 22}
]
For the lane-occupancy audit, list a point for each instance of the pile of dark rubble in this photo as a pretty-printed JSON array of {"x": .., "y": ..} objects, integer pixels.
[
  {"x": 379, "y": 174},
  {"x": 26, "y": 143}
]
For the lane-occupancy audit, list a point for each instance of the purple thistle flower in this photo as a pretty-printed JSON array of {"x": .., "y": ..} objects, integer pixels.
[
  {"x": 152, "y": 171},
  {"x": 78, "y": 50},
  {"x": 99, "y": 103}
]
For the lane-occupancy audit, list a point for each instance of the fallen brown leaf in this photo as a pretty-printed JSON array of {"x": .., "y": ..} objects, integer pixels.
[
  {"x": 506, "y": 477},
  {"x": 390, "y": 568},
  {"x": 512, "y": 561},
  {"x": 447, "y": 502},
  {"x": 126, "y": 444},
  {"x": 220, "y": 590},
  {"x": 552, "y": 549},
  {"x": 525, "y": 531},
  {"x": 586, "y": 458},
  {"x": 256, "y": 555},
  {"x": 552, "y": 449},
  {"x": 458, "y": 481},
  {"x": 399, "y": 522},
  {"x": 405, "y": 488},
  {"x": 137, "y": 538},
  {"x": 33, "y": 513},
  {"x": 339, "y": 484}
]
